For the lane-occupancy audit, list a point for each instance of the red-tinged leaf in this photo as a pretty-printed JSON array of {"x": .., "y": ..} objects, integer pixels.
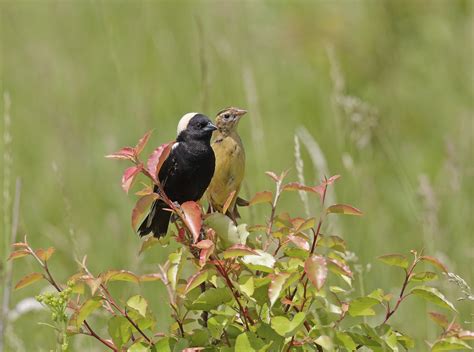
[
  {"x": 206, "y": 247},
  {"x": 299, "y": 242},
  {"x": 338, "y": 267},
  {"x": 193, "y": 349},
  {"x": 145, "y": 191},
  {"x": 181, "y": 236},
  {"x": 228, "y": 202},
  {"x": 332, "y": 179},
  {"x": 272, "y": 175},
  {"x": 320, "y": 189},
  {"x": 276, "y": 286},
  {"x": 262, "y": 197},
  {"x": 204, "y": 244},
  {"x": 20, "y": 245},
  {"x": 148, "y": 243},
  {"x": 195, "y": 280},
  {"x": 158, "y": 157},
  {"x": 238, "y": 250},
  {"x": 86, "y": 309},
  {"x": 305, "y": 225},
  {"x": 119, "y": 275},
  {"x": 316, "y": 269},
  {"x": 129, "y": 176},
  {"x": 18, "y": 254},
  {"x": 150, "y": 277},
  {"x": 127, "y": 153},
  {"x": 466, "y": 335},
  {"x": 45, "y": 254},
  {"x": 28, "y": 280},
  {"x": 435, "y": 262},
  {"x": 439, "y": 319},
  {"x": 141, "y": 209},
  {"x": 343, "y": 209},
  {"x": 257, "y": 228},
  {"x": 192, "y": 212},
  {"x": 142, "y": 143},
  {"x": 296, "y": 186}
]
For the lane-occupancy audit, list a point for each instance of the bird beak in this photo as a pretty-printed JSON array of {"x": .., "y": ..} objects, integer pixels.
[
  {"x": 210, "y": 127},
  {"x": 238, "y": 113}
]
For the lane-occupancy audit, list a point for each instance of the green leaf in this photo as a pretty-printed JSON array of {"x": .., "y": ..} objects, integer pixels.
[
  {"x": 216, "y": 325},
  {"x": 325, "y": 342},
  {"x": 138, "y": 303},
  {"x": 424, "y": 277},
  {"x": 316, "y": 269},
  {"x": 269, "y": 336},
  {"x": 450, "y": 344},
  {"x": 262, "y": 197},
  {"x": 284, "y": 327},
  {"x": 248, "y": 287},
  {"x": 120, "y": 330},
  {"x": 343, "y": 209},
  {"x": 197, "y": 279},
  {"x": 226, "y": 231},
  {"x": 433, "y": 295},
  {"x": 141, "y": 208},
  {"x": 119, "y": 275},
  {"x": 139, "y": 347},
  {"x": 86, "y": 309},
  {"x": 175, "y": 264},
  {"x": 362, "y": 306},
  {"x": 165, "y": 344},
  {"x": 395, "y": 260},
  {"x": 148, "y": 243},
  {"x": 249, "y": 342},
  {"x": 406, "y": 341},
  {"x": 200, "y": 337},
  {"x": 28, "y": 280},
  {"x": 276, "y": 286},
  {"x": 212, "y": 298},
  {"x": 262, "y": 261},
  {"x": 238, "y": 250},
  {"x": 345, "y": 340}
]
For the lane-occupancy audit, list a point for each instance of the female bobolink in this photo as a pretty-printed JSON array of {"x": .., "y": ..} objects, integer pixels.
[
  {"x": 230, "y": 160},
  {"x": 186, "y": 172}
]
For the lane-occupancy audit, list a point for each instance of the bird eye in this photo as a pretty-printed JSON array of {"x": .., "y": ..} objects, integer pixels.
[
  {"x": 226, "y": 116},
  {"x": 202, "y": 124}
]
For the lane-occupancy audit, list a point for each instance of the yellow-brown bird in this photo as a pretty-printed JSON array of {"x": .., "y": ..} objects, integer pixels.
[{"x": 230, "y": 160}]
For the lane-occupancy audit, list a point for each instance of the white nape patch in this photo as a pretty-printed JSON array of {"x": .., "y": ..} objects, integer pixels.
[
  {"x": 174, "y": 146},
  {"x": 183, "y": 123}
]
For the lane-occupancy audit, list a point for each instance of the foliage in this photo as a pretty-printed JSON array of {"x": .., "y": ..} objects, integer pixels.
[{"x": 277, "y": 286}]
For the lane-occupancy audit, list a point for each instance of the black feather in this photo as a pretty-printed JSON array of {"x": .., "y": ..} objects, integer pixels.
[{"x": 185, "y": 174}]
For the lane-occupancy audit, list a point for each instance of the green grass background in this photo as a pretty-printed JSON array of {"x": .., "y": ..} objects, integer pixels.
[{"x": 87, "y": 77}]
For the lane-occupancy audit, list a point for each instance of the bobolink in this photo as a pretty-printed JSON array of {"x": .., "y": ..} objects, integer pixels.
[
  {"x": 230, "y": 160},
  {"x": 186, "y": 172}
]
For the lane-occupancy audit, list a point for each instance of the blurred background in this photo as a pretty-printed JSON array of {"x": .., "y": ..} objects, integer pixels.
[{"x": 380, "y": 92}]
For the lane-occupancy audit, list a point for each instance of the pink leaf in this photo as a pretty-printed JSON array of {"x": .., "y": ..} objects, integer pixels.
[
  {"x": 158, "y": 157},
  {"x": 316, "y": 269},
  {"x": 142, "y": 143},
  {"x": 272, "y": 175},
  {"x": 207, "y": 248},
  {"x": 192, "y": 212},
  {"x": 129, "y": 176},
  {"x": 299, "y": 242},
  {"x": 296, "y": 186},
  {"x": 141, "y": 207},
  {"x": 127, "y": 153},
  {"x": 332, "y": 179}
]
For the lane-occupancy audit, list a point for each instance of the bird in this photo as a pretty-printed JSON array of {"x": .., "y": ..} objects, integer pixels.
[
  {"x": 230, "y": 161},
  {"x": 186, "y": 173}
]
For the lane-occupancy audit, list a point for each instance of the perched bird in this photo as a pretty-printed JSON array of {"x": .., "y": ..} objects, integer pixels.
[
  {"x": 186, "y": 172},
  {"x": 230, "y": 161}
]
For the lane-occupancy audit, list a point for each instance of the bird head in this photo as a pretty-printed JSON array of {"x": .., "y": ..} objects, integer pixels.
[
  {"x": 228, "y": 119},
  {"x": 194, "y": 125}
]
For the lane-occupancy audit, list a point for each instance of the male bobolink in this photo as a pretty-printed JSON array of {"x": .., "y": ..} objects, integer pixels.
[
  {"x": 230, "y": 160},
  {"x": 186, "y": 172}
]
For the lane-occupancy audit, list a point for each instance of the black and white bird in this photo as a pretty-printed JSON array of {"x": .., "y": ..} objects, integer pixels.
[{"x": 186, "y": 172}]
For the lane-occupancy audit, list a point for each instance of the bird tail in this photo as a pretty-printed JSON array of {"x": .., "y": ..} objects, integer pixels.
[{"x": 156, "y": 221}]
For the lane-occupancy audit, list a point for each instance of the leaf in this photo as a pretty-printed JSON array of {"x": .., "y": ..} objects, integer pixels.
[
  {"x": 86, "y": 309},
  {"x": 435, "y": 262},
  {"x": 138, "y": 303},
  {"x": 262, "y": 261},
  {"x": 157, "y": 158},
  {"x": 250, "y": 342},
  {"x": 362, "y": 306},
  {"x": 272, "y": 175},
  {"x": 28, "y": 280},
  {"x": 276, "y": 286},
  {"x": 450, "y": 344},
  {"x": 120, "y": 330},
  {"x": 129, "y": 176},
  {"x": 316, "y": 269},
  {"x": 139, "y": 347},
  {"x": 228, "y": 202},
  {"x": 338, "y": 267},
  {"x": 18, "y": 254},
  {"x": 439, "y": 319},
  {"x": 212, "y": 298},
  {"x": 424, "y": 276},
  {"x": 343, "y": 209},
  {"x": 192, "y": 212},
  {"x": 175, "y": 264},
  {"x": 45, "y": 254},
  {"x": 150, "y": 277},
  {"x": 127, "y": 153},
  {"x": 296, "y": 186},
  {"x": 226, "y": 231},
  {"x": 332, "y": 179},
  {"x": 238, "y": 250},
  {"x": 20, "y": 245},
  {"x": 195, "y": 280},
  {"x": 248, "y": 287},
  {"x": 395, "y": 260},
  {"x": 433, "y": 295},
  {"x": 141, "y": 209},
  {"x": 286, "y": 328},
  {"x": 299, "y": 242},
  {"x": 207, "y": 248},
  {"x": 119, "y": 275},
  {"x": 142, "y": 142},
  {"x": 262, "y": 197},
  {"x": 345, "y": 340}
]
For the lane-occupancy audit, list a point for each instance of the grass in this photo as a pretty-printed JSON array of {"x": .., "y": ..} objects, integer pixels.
[{"x": 87, "y": 77}]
